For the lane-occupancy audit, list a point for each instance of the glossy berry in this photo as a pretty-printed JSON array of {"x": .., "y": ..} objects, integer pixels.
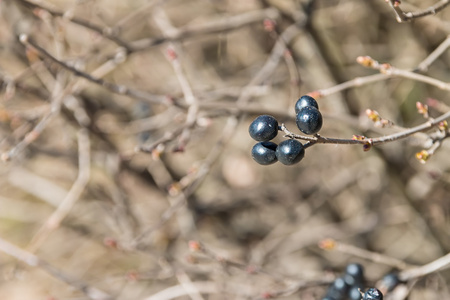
[
  {"x": 356, "y": 271},
  {"x": 390, "y": 281},
  {"x": 305, "y": 101},
  {"x": 290, "y": 152},
  {"x": 338, "y": 289},
  {"x": 354, "y": 293},
  {"x": 263, "y": 128},
  {"x": 340, "y": 284},
  {"x": 373, "y": 294},
  {"x": 264, "y": 153},
  {"x": 309, "y": 120}
]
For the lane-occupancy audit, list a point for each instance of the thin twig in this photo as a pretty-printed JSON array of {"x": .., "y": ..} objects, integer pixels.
[
  {"x": 105, "y": 32},
  {"x": 329, "y": 244},
  {"x": 205, "y": 287},
  {"x": 213, "y": 26},
  {"x": 432, "y": 267},
  {"x": 423, "y": 66},
  {"x": 407, "y": 16},
  {"x": 118, "y": 89},
  {"x": 72, "y": 196},
  {"x": 372, "y": 141},
  {"x": 33, "y": 261},
  {"x": 173, "y": 55}
]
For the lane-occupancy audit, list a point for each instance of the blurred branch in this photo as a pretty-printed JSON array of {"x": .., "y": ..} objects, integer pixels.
[
  {"x": 423, "y": 66},
  {"x": 64, "y": 208},
  {"x": 173, "y": 53},
  {"x": 432, "y": 267},
  {"x": 204, "y": 287},
  {"x": 403, "y": 16},
  {"x": 390, "y": 71},
  {"x": 384, "y": 75},
  {"x": 135, "y": 16},
  {"x": 213, "y": 26},
  {"x": 118, "y": 89},
  {"x": 33, "y": 261},
  {"x": 333, "y": 245},
  {"x": 103, "y": 31}
]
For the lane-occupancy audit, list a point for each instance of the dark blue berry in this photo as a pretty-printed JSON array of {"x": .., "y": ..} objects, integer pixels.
[
  {"x": 334, "y": 294},
  {"x": 264, "y": 153},
  {"x": 309, "y": 120},
  {"x": 290, "y": 152},
  {"x": 373, "y": 294},
  {"x": 338, "y": 289},
  {"x": 390, "y": 281},
  {"x": 355, "y": 270},
  {"x": 340, "y": 284},
  {"x": 305, "y": 101},
  {"x": 354, "y": 293},
  {"x": 263, "y": 128}
]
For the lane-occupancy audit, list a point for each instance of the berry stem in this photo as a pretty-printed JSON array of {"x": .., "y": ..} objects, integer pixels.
[{"x": 373, "y": 141}]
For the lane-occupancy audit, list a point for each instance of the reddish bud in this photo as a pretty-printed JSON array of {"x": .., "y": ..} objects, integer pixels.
[
  {"x": 195, "y": 246},
  {"x": 373, "y": 115},
  {"x": 443, "y": 126},
  {"x": 269, "y": 25},
  {"x": 423, "y": 156},
  {"x": 366, "y": 61},
  {"x": 315, "y": 94},
  {"x": 327, "y": 244},
  {"x": 251, "y": 269},
  {"x": 174, "y": 189},
  {"x": 171, "y": 54},
  {"x": 132, "y": 276},
  {"x": 358, "y": 137},
  {"x": 422, "y": 109},
  {"x": 110, "y": 242}
]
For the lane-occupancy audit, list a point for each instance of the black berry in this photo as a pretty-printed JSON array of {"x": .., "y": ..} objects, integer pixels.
[
  {"x": 373, "y": 294},
  {"x": 309, "y": 120},
  {"x": 354, "y": 293},
  {"x": 263, "y": 128},
  {"x": 305, "y": 101},
  {"x": 340, "y": 284},
  {"x": 338, "y": 289},
  {"x": 390, "y": 281},
  {"x": 356, "y": 271},
  {"x": 264, "y": 153},
  {"x": 290, "y": 152}
]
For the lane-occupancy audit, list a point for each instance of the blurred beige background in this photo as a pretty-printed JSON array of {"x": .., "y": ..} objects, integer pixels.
[{"x": 129, "y": 215}]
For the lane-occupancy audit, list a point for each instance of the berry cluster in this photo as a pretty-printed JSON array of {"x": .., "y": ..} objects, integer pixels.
[
  {"x": 348, "y": 286},
  {"x": 265, "y": 128}
]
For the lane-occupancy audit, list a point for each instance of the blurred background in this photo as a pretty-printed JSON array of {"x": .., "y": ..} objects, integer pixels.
[{"x": 107, "y": 180}]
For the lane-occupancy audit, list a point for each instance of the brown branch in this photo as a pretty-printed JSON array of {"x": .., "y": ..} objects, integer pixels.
[
  {"x": 104, "y": 31},
  {"x": 372, "y": 141},
  {"x": 429, "y": 268},
  {"x": 34, "y": 261},
  {"x": 407, "y": 16},
  {"x": 214, "y": 26},
  {"x": 64, "y": 208},
  {"x": 333, "y": 245},
  {"x": 117, "y": 89}
]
